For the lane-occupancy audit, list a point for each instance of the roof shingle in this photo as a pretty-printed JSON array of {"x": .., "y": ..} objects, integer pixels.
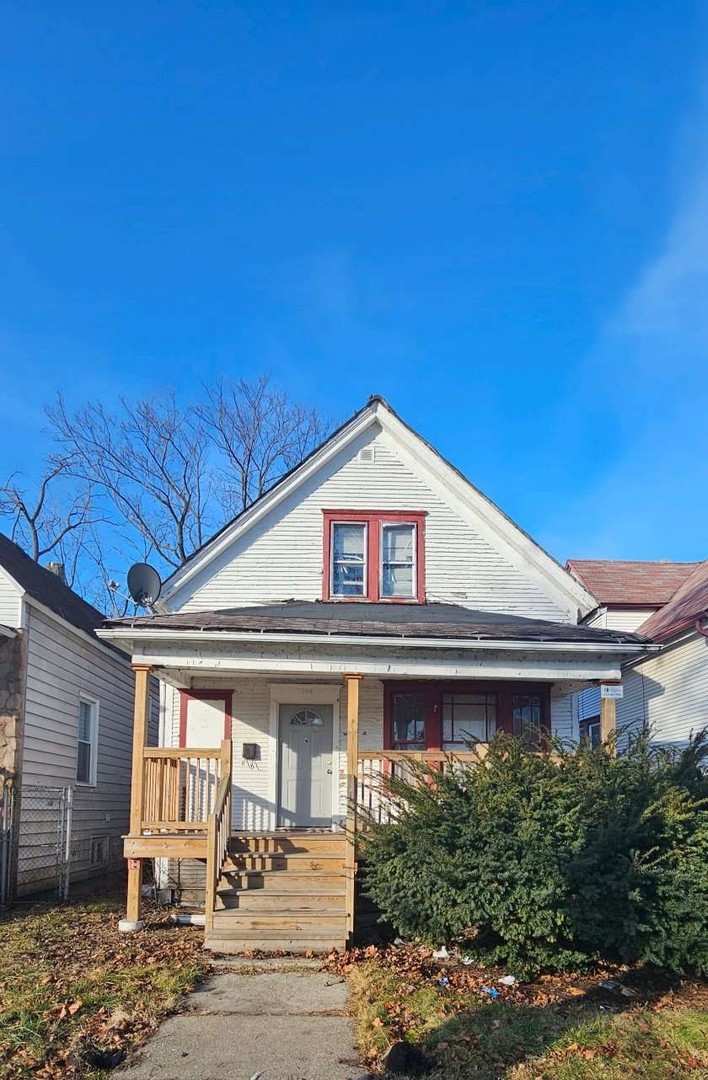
[
  {"x": 644, "y": 584},
  {"x": 686, "y": 606},
  {"x": 47, "y": 588},
  {"x": 382, "y": 620}
]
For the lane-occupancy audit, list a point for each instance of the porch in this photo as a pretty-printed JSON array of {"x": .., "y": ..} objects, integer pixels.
[
  {"x": 280, "y": 727},
  {"x": 277, "y": 870}
]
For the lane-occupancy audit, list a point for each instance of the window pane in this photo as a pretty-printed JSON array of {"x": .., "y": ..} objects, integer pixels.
[
  {"x": 348, "y": 542},
  {"x": 85, "y": 717},
  {"x": 408, "y": 721},
  {"x": 83, "y": 765},
  {"x": 468, "y": 717},
  {"x": 397, "y": 556},
  {"x": 348, "y": 559},
  {"x": 397, "y": 581},
  {"x": 526, "y": 711}
]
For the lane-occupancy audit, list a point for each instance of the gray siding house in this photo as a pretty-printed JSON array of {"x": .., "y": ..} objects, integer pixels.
[{"x": 66, "y": 710}]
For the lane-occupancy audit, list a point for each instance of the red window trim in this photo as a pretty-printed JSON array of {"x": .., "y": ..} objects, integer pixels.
[
  {"x": 433, "y": 694},
  {"x": 185, "y": 696},
  {"x": 374, "y": 519}
]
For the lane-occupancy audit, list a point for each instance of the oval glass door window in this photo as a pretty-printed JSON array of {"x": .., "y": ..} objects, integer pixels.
[{"x": 307, "y": 718}]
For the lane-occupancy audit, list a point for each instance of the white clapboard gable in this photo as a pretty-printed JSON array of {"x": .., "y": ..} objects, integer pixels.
[{"x": 475, "y": 555}]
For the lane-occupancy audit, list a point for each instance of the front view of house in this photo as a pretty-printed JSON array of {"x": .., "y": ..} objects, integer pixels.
[{"x": 371, "y": 609}]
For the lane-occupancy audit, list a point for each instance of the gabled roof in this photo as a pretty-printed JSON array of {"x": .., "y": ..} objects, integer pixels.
[
  {"x": 378, "y": 411},
  {"x": 641, "y": 584},
  {"x": 47, "y": 588},
  {"x": 688, "y": 604},
  {"x": 331, "y": 618}
]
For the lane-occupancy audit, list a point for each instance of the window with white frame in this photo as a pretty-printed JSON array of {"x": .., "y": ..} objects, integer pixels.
[
  {"x": 468, "y": 718},
  {"x": 398, "y": 571},
  {"x": 87, "y": 741},
  {"x": 349, "y": 559}
]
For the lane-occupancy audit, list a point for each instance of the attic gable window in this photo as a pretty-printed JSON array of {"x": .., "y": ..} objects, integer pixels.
[{"x": 375, "y": 555}]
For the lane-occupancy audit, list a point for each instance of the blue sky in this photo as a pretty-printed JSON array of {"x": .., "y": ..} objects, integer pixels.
[{"x": 494, "y": 214}]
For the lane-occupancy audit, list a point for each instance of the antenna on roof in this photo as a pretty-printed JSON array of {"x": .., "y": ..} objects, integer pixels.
[{"x": 144, "y": 584}]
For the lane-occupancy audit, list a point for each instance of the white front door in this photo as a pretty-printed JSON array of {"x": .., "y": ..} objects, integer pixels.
[{"x": 305, "y": 766}]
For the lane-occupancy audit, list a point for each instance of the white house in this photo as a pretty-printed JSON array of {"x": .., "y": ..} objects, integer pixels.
[
  {"x": 373, "y": 607},
  {"x": 66, "y": 719},
  {"x": 666, "y": 690}
]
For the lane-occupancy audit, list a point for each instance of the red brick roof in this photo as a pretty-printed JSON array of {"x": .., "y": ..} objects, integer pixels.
[
  {"x": 689, "y": 602},
  {"x": 644, "y": 584}
]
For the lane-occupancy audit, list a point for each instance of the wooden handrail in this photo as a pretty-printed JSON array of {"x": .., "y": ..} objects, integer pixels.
[
  {"x": 179, "y": 787},
  {"x": 176, "y": 752},
  {"x": 218, "y": 834},
  {"x": 422, "y": 755}
]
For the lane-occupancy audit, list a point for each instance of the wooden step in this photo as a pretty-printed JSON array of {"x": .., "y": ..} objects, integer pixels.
[
  {"x": 224, "y": 941},
  {"x": 314, "y": 843},
  {"x": 333, "y": 923},
  {"x": 282, "y": 880},
  {"x": 278, "y": 860},
  {"x": 294, "y": 900}
]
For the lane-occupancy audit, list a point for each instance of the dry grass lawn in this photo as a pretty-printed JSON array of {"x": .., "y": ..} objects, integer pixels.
[
  {"x": 555, "y": 1028},
  {"x": 75, "y": 994}
]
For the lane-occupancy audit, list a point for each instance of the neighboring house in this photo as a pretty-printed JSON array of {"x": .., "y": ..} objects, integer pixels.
[
  {"x": 66, "y": 718},
  {"x": 668, "y": 603},
  {"x": 372, "y": 608}
]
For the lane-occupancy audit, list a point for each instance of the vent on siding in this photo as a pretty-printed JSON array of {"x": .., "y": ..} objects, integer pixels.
[
  {"x": 99, "y": 850},
  {"x": 367, "y": 455}
]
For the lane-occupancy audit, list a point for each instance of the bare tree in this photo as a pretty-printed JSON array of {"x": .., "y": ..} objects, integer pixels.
[
  {"x": 151, "y": 461},
  {"x": 53, "y": 520},
  {"x": 260, "y": 432}
]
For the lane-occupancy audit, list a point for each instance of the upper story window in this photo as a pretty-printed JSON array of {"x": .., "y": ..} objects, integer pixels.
[
  {"x": 86, "y": 757},
  {"x": 348, "y": 559},
  {"x": 374, "y": 555}
]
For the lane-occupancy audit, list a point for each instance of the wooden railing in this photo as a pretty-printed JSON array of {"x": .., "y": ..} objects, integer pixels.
[
  {"x": 180, "y": 787},
  {"x": 218, "y": 833},
  {"x": 375, "y": 802}
]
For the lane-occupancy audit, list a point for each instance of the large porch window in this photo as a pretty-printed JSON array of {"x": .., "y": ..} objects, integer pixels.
[
  {"x": 429, "y": 715},
  {"x": 468, "y": 718},
  {"x": 409, "y": 722}
]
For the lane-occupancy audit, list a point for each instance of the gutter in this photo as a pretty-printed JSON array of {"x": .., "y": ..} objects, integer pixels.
[
  {"x": 129, "y": 634},
  {"x": 7, "y": 631}
]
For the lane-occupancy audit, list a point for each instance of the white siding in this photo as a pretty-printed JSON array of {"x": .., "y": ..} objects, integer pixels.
[
  {"x": 608, "y": 618},
  {"x": 255, "y": 782},
  {"x": 628, "y": 620},
  {"x": 282, "y": 557},
  {"x": 61, "y": 664},
  {"x": 10, "y": 602},
  {"x": 668, "y": 691},
  {"x": 562, "y": 721}
]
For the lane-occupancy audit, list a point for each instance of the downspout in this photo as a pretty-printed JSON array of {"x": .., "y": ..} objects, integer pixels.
[{"x": 703, "y": 630}]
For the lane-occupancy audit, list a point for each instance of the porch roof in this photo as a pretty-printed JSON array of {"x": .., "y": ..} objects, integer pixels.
[{"x": 393, "y": 621}]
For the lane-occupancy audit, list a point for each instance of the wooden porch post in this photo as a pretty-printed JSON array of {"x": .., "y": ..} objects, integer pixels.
[
  {"x": 132, "y": 919},
  {"x": 352, "y": 685},
  {"x": 608, "y": 718}
]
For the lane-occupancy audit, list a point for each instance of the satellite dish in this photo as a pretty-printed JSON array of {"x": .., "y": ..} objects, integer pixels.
[{"x": 144, "y": 584}]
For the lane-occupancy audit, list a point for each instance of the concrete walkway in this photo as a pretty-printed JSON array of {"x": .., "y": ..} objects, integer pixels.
[{"x": 282, "y": 1021}]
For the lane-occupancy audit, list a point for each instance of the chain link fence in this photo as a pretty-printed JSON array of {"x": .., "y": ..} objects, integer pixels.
[
  {"x": 58, "y": 840},
  {"x": 7, "y": 805}
]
